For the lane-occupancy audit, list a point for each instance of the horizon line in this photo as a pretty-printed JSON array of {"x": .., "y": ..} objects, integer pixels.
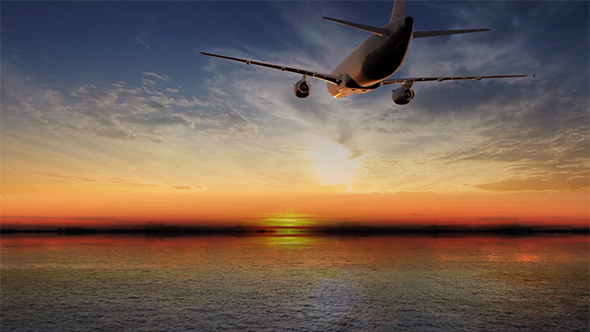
[{"x": 344, "y": 229}]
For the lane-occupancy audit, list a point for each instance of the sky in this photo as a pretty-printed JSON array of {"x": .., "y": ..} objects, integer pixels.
[{"x": 110, "y": 117}]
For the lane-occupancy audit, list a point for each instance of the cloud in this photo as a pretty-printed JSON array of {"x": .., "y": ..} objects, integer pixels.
[
  {"x": 541, "y": 134},
  {"x": 129, "y": 182},
  {"x": 113, "y": 133},
  {"x": 164, "y": 78},
  {"x": 560, "y": 182},
  {"x": 22, "y": 97},
  {"x": 156, "y": 106},
  {"x": 182, "y": 187},
  {"x": 147, "y": 82},
  {"x": 120, "y": 112},
  {"x": 68, "y": 178},
  {"x": 159, "y": 120},
  {"x": 89, "y": 179},
  {"x": 198, "y": 187}
]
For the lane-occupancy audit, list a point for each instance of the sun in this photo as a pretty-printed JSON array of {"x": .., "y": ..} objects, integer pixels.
[
  {"x": 290, "y": 219},
  {"x": 333, "y": 164}
]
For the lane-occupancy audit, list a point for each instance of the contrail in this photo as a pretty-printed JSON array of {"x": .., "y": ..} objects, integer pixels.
[{"x": 144, "y": 44}]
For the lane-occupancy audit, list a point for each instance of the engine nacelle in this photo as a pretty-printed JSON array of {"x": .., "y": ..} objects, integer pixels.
[
  {"x": 402, "y": 96},
  {"x": 302, "y": 89}
]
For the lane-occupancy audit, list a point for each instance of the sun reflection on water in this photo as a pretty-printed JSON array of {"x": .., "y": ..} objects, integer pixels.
[
  {"x": 288, "y": 241},
  {"x": 527, "y": 258}
]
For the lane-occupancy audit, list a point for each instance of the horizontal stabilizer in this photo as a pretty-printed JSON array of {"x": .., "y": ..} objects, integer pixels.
[
  {"x": 375, "y": 30},
  {"x": 421, "y": 34}
]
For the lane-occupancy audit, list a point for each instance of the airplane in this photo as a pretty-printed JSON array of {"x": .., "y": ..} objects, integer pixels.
[{"x": 370, "y": 64}]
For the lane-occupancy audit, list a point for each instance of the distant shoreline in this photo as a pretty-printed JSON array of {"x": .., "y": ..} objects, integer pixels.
[{"x": 163, "y": 230}]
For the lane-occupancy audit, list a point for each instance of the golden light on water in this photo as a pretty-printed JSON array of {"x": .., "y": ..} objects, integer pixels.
[{"x": 289, "y": 242}]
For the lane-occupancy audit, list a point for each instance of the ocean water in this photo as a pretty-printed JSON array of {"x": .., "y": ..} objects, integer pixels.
[{"x": 294, "y": 283}]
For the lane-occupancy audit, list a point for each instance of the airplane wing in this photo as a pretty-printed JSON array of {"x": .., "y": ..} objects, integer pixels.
[
  {"x": 446, "y": 78},
  {"x": 324, "y": 77}
]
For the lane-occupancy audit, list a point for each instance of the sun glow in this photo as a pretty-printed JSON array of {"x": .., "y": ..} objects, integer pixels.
[
  {"x": 333, "y": 164},
  {"x": 290, "y": 220}
]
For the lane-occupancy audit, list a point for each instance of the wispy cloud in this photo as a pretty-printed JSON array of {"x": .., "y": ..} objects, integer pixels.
[
  {"x": 130, "y": 182},
  {"x": 164, "y": 78},
  {"x": 195, "y": 187},
  {"x": 66, "y": 177},
  {"x": 92, "y": 179},
  {"x": 121, "y": 112}
]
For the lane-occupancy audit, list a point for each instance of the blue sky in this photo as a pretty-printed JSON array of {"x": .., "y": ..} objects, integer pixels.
[
  {"x": 112, "y": 96},
  {"x": 89, "y": 42}
]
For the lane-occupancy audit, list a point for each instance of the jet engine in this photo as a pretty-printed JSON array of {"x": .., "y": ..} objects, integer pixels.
[
  {"x": 402, "y": 96},
  {"x": 302, "y": 89}
]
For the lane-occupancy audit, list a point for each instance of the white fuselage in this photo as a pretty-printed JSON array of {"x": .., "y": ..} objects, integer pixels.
[{"x": 374, "y": 60}]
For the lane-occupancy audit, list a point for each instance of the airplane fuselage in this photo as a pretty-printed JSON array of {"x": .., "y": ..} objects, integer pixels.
[{"x": 374, "y": 60}]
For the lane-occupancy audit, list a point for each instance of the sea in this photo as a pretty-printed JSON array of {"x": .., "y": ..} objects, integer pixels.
[{"x": 294, "y": 283}]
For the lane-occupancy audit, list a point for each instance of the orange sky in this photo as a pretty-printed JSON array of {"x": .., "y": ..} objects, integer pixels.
[
  {"x": 82, "y": 182},
  {"x": 113, "y": 210}
]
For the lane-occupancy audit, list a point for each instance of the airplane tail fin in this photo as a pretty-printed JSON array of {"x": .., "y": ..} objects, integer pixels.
[{"x": 399, "y": 6}]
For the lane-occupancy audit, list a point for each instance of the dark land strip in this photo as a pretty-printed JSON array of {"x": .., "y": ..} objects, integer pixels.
[{"x": 346, "y": 230}]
